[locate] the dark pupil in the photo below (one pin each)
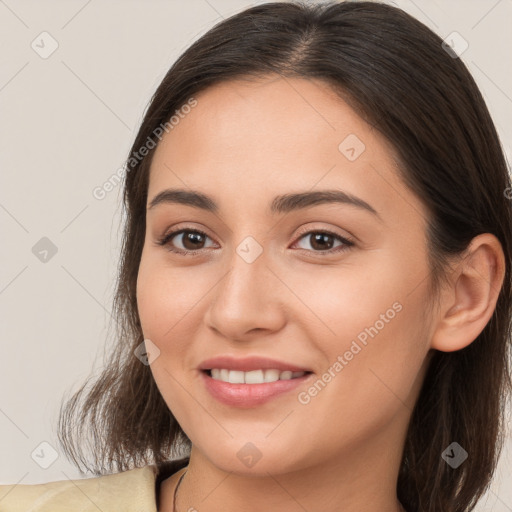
(194, 238)
(319, 238)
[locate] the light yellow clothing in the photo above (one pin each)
(128, 491)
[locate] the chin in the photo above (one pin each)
(251, 457)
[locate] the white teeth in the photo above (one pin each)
(271, 375)
(254, 376)
(236, 377)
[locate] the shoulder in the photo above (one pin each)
(134, 490)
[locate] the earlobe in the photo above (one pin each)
(469, 303)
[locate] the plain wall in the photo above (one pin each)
(67, 123)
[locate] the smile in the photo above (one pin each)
(250, 388)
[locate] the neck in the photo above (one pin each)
(364, 479)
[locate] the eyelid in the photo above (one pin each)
(186, 227)
(315, 229)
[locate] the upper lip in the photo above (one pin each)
(249, 363)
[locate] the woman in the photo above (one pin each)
(314, 298)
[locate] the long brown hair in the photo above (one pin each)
(397, 75)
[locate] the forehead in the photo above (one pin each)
(275, 116)
(245, 139)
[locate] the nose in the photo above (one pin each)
(248, 301)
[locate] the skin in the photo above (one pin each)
(244, 143)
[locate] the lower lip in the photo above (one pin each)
(249, 395)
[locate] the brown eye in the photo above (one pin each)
(324, 242)
(192, 240)
(321, 241)
(185, 241)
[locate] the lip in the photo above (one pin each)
(247, 364)
(249, 395)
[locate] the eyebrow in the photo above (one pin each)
(280, 204)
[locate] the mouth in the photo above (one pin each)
(250, 381)
(248, 389)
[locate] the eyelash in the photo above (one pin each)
(164, 241)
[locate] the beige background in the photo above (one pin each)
(67, 123)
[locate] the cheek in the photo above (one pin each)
(165, 301)
(338, 303)
(373, 321)
(167, 297)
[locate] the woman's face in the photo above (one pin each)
(276, 158)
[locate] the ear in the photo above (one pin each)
(468, 303)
